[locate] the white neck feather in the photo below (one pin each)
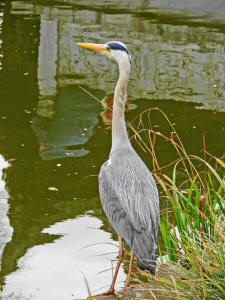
(119, 132)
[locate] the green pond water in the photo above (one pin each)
(54, 137)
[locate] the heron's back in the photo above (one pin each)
(129, 198)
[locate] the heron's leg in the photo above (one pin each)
(130, 271)
(121, 256)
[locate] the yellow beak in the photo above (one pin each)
(96, 47)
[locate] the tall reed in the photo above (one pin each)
(192, 227)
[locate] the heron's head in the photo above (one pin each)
(114, 50)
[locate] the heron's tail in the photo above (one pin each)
(144, 248)
(149, 265)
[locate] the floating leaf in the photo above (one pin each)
(52, 188)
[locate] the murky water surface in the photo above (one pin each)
(54, 137)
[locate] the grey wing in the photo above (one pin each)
(130, 200)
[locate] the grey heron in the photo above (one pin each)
(128, 191)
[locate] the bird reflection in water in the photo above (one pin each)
(64, 123)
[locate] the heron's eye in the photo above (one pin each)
(108, 48)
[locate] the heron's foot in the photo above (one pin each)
(127, 287)
(109, 292)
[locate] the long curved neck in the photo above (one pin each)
(119, 132)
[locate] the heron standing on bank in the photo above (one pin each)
(127, 188)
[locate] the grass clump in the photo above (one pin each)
(192, 226)
(193, 238)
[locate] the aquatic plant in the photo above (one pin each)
(192, 226)
(193, 238)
